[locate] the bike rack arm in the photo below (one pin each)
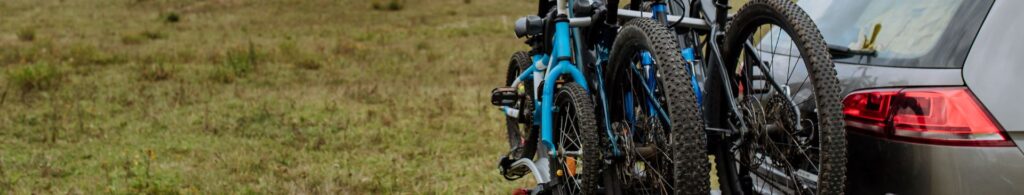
(580, 21)
(686, 22)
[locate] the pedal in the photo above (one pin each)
(504, 96)
(508, 171)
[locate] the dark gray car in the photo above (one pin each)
(932, 92)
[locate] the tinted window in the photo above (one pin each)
(912, 33)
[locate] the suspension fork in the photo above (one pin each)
(660, 11)
(648, 82)
(647, 61)
(563, 66)
(649, 86)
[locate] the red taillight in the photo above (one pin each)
(946, 116)
(868, 110)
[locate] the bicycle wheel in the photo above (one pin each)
(522, 139)
(577, 167)
(664, 154)
(789, 98)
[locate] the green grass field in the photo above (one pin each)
(245, 96)
(236, 96)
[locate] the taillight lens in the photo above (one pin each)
(868, 110)
(945, 116)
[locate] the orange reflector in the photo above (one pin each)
(570, 163)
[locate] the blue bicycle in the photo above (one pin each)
(547, 83)
(614, 100)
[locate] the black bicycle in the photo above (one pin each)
(768, 91)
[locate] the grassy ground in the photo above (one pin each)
(234, 96)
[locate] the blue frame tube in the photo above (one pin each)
(660, 12)
(542, 58)
(649, 71)
(563, 67)
(562, 53)
(602, 54)
(526, 74)
(562, 50)
(653, 102)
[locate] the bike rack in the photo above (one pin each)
(683, 22)
(540, 168)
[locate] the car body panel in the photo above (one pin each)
(878, 166)
(857, 77)
(995, 62)
(881, 166)
(1018, 138)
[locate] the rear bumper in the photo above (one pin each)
(878, 166)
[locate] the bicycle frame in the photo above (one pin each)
(547, 68)
(545, 71)
(560, 64)
(713, 24)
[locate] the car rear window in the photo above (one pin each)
(912, 33)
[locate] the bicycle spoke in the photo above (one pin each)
(793, 69)
(569, 145)
(760, 175)
(770, 149)
(645, 173)
(797, 91)
(774, 47)
(788, 166)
